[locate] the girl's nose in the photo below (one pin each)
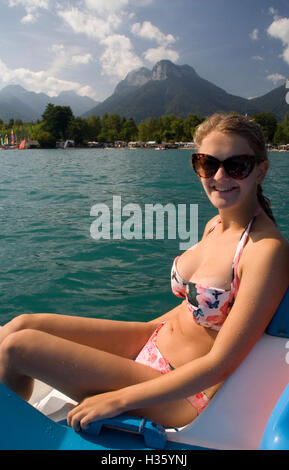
(221, 173)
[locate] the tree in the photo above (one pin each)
(94, 127)
(281, 135)
(78, 130)
(110, 127)
(44, 137)
(177, 127)
(190, 124)
(128, 131)
(144, 131)
(56, 120)
(149, 129)
(168, 135)
(268, 124)
(171, 127)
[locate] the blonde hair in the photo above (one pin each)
(246, 128)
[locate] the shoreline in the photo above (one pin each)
(118, 148)
(34, 145)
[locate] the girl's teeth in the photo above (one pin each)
(223, 189)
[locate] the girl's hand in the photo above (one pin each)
(104, 405)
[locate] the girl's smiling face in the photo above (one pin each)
(222, 190)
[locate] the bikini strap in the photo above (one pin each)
(214, 225)
(241, 245)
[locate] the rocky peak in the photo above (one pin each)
(165, 69)
(139, 77)
(136, 78)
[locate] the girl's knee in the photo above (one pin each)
(23, 322)
(15, 345)
(13, 362)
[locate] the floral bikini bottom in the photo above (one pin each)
(151, 356)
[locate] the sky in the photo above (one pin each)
(88, 46)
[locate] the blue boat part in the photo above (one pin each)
(279, 325)
(276, 435)
(154, 434)
(23, 427)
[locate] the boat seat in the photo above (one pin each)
(237, 415)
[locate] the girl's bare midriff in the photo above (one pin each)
(182, 340)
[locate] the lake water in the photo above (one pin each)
(49, 260)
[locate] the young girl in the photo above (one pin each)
(231, 283)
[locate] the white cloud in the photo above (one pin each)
(115, 5)
(147, 30)
(275, 77)
(81, 59)
(155, 54)
(119, 57)
(29, 4)
(86, 23)
(106, 5)
(279, 29)
(67, 57)
(31, 7)
(274, 12)
(41, 81)
(98, 20)
(29, 18)
(254, 34)
(257, 57)
(57, 48)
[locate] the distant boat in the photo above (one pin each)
(69, 143)
(22, 144)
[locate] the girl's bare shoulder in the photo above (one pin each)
(210, 224)
(266, 240)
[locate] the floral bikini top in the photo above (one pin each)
(210, 306)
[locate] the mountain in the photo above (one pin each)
(79, 104)
(15, 103)
(274, 101)
(179, 90)
(18, 103)
(166, 89)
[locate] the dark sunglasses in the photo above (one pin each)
(237, 167)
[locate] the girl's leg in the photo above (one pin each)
(118, 337)
(78, 371)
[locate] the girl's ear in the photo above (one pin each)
(262, 169)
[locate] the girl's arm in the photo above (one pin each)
(264, 280)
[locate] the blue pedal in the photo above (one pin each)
(153, 433)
